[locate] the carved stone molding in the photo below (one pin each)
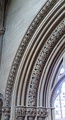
(6, 112)
(31, 111)
(41, 60)
(20, 112)
(37, 20)
(42, 112)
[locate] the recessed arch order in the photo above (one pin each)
(43, 43)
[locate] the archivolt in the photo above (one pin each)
(38, 43)
(49, 73)
(62, 79)
(40, 64)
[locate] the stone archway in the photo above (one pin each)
(42, 43)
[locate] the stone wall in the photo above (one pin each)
(20, 14)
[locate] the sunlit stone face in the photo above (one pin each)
(62, 70)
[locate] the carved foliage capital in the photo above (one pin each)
(20, 112)
(6, 111)
(42, 112)
(31, 111)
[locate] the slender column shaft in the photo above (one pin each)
(52, 114)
